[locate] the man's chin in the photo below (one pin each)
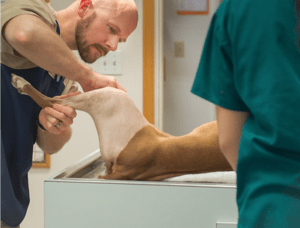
(87, 59)
(90, 61)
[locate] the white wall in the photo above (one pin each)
(184, 111)
(84, 139)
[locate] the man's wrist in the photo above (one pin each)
(83, 76)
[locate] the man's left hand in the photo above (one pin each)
(59, 118)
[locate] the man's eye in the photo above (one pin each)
(112, 30)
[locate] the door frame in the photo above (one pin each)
(153, 62)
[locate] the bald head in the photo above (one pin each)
(125, 9)
(117, 4)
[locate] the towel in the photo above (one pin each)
(213, 177)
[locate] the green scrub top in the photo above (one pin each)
(250, 62)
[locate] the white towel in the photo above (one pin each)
(213, 177)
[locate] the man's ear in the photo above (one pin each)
(84, 5)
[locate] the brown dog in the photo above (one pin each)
(130, 146)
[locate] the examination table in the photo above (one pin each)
(75, 198)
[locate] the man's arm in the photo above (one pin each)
(230, 125)
(52, 143)
(34, 39)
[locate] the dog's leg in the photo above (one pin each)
(19, 83)
(24, 87)
(103, 106)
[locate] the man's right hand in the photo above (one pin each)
(97, 81)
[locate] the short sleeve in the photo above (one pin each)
(214, 79)
(13, 8)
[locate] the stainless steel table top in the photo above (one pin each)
(90, 167)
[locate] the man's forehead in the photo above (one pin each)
(124, 19)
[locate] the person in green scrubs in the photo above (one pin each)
(250, 68)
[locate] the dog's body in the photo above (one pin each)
(130, 146)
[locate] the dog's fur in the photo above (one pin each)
(130, 146)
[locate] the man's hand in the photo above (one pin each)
(112, 82)
(49, 117)
(97, 81)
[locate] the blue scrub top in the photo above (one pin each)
(19, 115)
(251, 62)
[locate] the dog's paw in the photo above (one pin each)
(18, 82)
(103, 177)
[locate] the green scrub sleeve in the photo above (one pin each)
(214, 79)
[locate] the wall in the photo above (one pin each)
(84, 139)
(184, 111)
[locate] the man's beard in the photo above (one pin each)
(82, 47)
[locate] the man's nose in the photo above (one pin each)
(112, 43)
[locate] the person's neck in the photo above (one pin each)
(67, 20)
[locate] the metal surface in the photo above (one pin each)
(90, 167)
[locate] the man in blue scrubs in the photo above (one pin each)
(32, 48)
(250, 68)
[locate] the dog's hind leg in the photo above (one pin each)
(24, 87)
(19, 83)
